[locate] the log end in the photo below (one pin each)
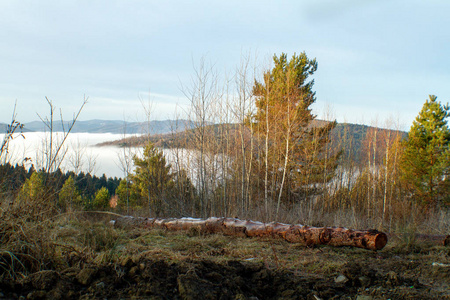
(380, 241)
(447, 241)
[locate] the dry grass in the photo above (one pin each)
(33, 237)
(412, 219)
(25, 244)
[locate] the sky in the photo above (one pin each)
(377, 60)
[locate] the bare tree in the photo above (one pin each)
(202, 93)
(54, 150)
(11, 129)
(242, 110)
(125, 163)
(80, 159)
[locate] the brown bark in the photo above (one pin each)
(332, 236)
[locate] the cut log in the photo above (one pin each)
(332, 236)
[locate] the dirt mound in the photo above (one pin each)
(203, 279)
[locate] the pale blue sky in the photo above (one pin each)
(377, 59)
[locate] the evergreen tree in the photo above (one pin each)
(112, 184)
(101, 200)
(69, 194)
(127, 196)
(426, 160)
(152, 179)
(33, 188)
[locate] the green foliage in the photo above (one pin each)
(101, 200)
(89, 184)
(426, 159)
(33, 188)
(286, 83)
(125, 192)
(12, 178)
(152, 180)
(69, 194)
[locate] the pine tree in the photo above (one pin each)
(128, 198)
(101, 200)
(426, 160)
(152, 179)
(294, 150)
(69, 194)
(33, 189)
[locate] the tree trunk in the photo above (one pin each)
(266, 161)
(332, 236)
(386, 172)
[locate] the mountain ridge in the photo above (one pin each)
(108, 126)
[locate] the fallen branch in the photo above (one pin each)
(332, 236)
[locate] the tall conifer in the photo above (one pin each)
(426, 160)
(152, 179)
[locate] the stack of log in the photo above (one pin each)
(332, 236)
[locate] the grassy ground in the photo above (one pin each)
(79, 257)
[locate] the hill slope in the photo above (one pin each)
(352, 134)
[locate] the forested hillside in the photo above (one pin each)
(352, 134)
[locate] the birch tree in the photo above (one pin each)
(284, 116)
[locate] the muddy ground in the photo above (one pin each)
(161, 265)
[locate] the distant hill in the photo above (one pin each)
(178, 139)
(354, 135)
(4, 128)
(172, 139)
(343, 133)
(110, 126)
